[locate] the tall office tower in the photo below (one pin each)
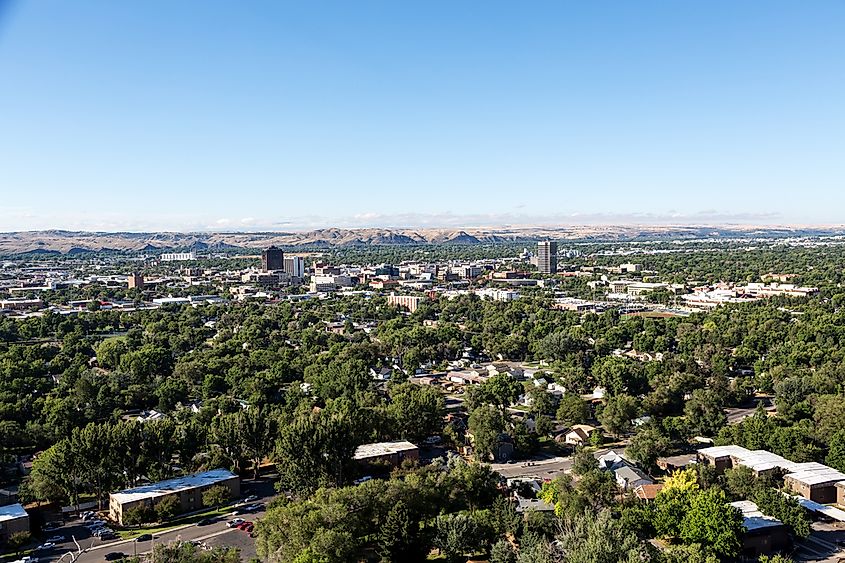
(272, 259)
(295, 266)
(547, 257)
(135, 281)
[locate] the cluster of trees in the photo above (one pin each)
(311, 399)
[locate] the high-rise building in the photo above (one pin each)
(547, 257)
(272, 259)
(135, 281)
(294, 266)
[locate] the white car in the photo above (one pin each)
(235, 522)
(57, 539)
(363, 479)
(44, 546)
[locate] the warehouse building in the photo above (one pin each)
(187, 490)
(13, 519)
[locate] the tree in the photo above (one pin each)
(141, 514)
(455, 535)
(836, 451)
(398, 538)
(416, 411)
(583, 462)
(740, 482)
(647, 445)
(167, 508)
(704, 412)
(502, 552)
(618, 413)
(315, 450)
(786, 509)
(572, 410)
(216, 495)
(684, 480)
(829, 416)
(598, 538)
(257, 429)
(17, 540)
(711, 521)
(486, 424)
(186, 552)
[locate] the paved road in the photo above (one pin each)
(215, 534)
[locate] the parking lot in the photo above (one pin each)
(214, 533)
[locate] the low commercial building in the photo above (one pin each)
(815, 482)
(763, 534)
(186, 490)
(720, 457)
(13, 519)
(392, 452)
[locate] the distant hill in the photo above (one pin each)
(78, 242)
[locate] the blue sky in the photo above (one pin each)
(245, 115)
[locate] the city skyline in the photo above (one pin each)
(281, 116)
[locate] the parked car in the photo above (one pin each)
(235, 522)
(45, 546)
(250, 498)
(105, 536)
(56, 539)
(248, 529)
(100, 531)
(205, 522)
(243, 525)
(363, 479)
(51, 526)
(114, 555)
(144, 537)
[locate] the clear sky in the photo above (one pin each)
(145, 115)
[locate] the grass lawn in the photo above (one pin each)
(192, 519)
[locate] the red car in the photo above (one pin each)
(248, 529)
(244, 525)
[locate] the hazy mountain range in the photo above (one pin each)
(69, 242)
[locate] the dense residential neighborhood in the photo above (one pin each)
(166, 395)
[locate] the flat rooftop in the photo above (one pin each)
(12, 512)
(378, 449)
(752, 518)
(172, 486)
(717, 452)
(817, 476)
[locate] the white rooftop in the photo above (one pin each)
(812, 506)
(378, 449)
(752, 518)
(172, 486)
(725, 451)
(12, 512)
(817, 475)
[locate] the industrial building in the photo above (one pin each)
(187, 490)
